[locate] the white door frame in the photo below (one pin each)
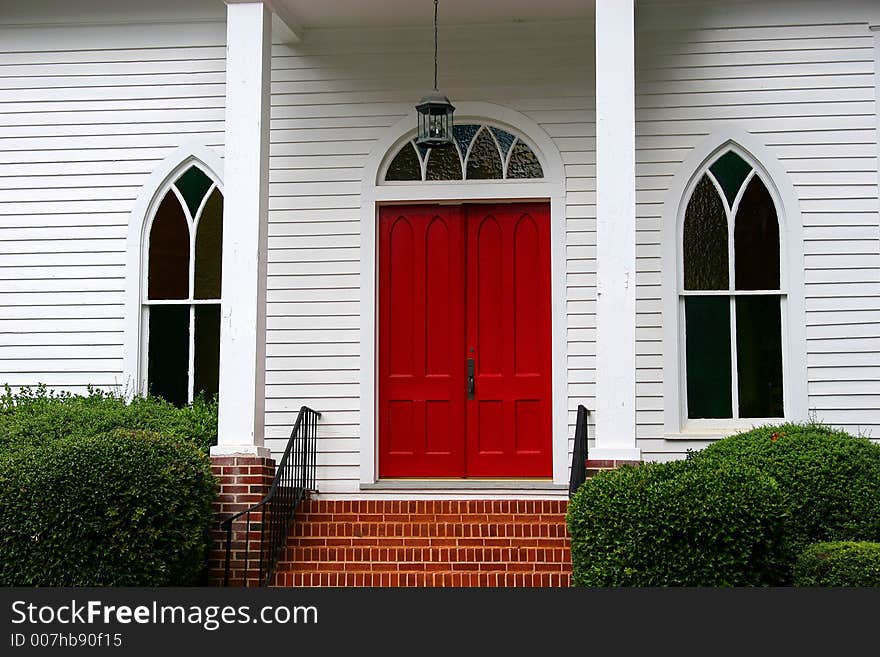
(551, 189)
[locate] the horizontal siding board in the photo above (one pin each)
(807, 92)
(82, 127)
(86, 113)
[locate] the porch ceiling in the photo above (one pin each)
(415, 13)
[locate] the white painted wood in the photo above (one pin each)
(245, 232)
(794, 137)
(94, 109)
(74, 202)
(616, 235)
(875, 31)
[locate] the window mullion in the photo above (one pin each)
(731, 277)
(143, 383)
(734, 369)
(192, 352)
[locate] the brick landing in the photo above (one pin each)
(428, 543)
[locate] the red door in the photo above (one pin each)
(464, 290)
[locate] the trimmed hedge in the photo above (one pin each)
(126, 508)
(830, 480)
(839, 564)
(36, 416)
(677, 524)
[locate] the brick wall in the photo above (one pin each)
(244, 481)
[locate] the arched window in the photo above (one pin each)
(479, 152)
(181, 304)
(732, 295)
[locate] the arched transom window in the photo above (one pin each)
(479, 152)
(182, 293)
(732, 295)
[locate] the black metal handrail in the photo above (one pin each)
(579, 453)
(294, 480)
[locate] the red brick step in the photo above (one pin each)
(428, 543)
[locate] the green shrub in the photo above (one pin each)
(839, 564)
(35, 416)
(677, 524)
(118, 509)
(830, 480)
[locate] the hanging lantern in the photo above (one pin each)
(434, 111)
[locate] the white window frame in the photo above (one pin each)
(791, 290)
(152, 193)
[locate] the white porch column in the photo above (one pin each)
(616, 232)
(245, 230)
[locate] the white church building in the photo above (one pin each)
(663, 210)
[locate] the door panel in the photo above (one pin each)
(508, 335)
(421, 341)
(459, 283)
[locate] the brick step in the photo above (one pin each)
(411, 567)
(422, 507)
(428, 543)
(546, 529)
(425, 579)
(413, 542)
(299, 557)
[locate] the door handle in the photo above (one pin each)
(471, 383)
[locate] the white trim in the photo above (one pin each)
(151, 194)
(875, 31)
(791, 252)
(615, 413)
(551, 187)
(242, 409)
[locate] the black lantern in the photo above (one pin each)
(435, 111)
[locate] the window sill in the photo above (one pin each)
(705, 431)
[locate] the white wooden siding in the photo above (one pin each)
(333, 96)
(85, 115)
(87, 112)
(808, 92)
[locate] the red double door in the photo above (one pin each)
(464, 341)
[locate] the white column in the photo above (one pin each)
(245, 230)
(616, 232)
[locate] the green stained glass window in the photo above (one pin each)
(193, 185)
(206, 361)
(464, 135)
(484, 161)
(443, 164)
(756, 240)
(707, 331)
(405, 165)
(482, 149)
(730, 170)
(209, 249)
(749, 382)
(505, 140)
(168, 353)
(168, 268)
(705, 240)
(523, 163)
(759, 356)
(181, 332)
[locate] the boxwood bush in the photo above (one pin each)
(125, 508)
(830, 480)
(677, 524)
(36, 416)
(845, 563)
